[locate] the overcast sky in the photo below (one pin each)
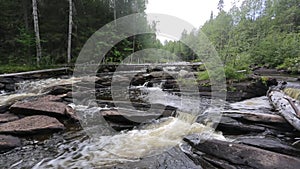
(195, 12)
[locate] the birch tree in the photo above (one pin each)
(70, 31)
(37, 32)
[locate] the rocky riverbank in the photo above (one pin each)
(256, 136)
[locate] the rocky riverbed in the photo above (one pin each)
(41, 127)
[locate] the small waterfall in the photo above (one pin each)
(130, 146)
(292, 92)
(27, 89)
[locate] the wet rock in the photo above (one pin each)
(171, 159)
(8, 142)
(154, 69)
(55, 109)
(4, 108)
(170, 84)
(271, 144)
(123, 117)
(138, 80)
(10, 87)
(7, 117)
(57, 90)
(32, 125)
(50, 98)
(244, 156)
(119, 80)
(231, 126)
(2, 86)
(160, 75)
(7, 80)
(71, 113)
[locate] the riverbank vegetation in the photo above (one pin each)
(255, 33)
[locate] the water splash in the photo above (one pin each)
(27, 89)
(294, 93)
(130, 146)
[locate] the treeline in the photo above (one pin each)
(17, 33)
(257, 32)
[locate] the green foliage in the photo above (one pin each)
(264, 80)
(17, 38)
(203, 75)
(291, 64)
(259, 32)
(230, 74)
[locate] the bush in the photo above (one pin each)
(291, 64)
(230, 74)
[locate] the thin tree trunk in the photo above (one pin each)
(37, 32)
(115, 13)
(25, 12)
(70, 31)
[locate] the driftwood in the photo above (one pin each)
(255, 117)
(286, 106)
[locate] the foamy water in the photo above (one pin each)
(131, 146)
(33, 88)
(104, 150)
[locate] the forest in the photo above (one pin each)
(255, 33)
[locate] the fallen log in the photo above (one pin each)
(286, 106)
(255, 117)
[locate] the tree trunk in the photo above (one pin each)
(70, 31)
(37, 32)
(25, 12)
(115, 13)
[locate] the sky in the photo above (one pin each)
(196, 12)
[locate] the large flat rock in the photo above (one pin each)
(49, 108)
(245, 156)
(32, 125)
(7, 117)
(8, 142)
(269, 143)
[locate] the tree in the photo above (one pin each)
(70, 31)
(211, 16)
(37, 32)
(220, 5)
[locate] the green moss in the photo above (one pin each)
(264, 80)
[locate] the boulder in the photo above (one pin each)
(57, 90)
(245, 156)
(54, 109)
(32, 125)
(7, 117)
(8, 142)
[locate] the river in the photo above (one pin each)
(74, 148)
